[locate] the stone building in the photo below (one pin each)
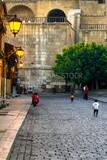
(48, 26)
(2, 32)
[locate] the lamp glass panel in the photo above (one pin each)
(20, 52)
(14, 26)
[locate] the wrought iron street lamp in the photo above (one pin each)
(15, 25)
(20, 52)
(20, 65)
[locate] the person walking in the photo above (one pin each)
(72, 93)
(95, 108)
(72, 97)
(85, 90)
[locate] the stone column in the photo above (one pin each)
(74, 18)
(106, 7)
(77, 26)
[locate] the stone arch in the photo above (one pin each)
(56, 15)
(22, 12)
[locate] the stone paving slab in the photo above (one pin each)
(57, 129)
(11, 119)
(11, 122)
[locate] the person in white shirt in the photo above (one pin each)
(96, 107)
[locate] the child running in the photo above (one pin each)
(95, 108)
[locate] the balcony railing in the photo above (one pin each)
(93, 26)
(89, 0)
(31, 19)
(99, 1)
(56, 19)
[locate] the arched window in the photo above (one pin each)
(56, 15)
(22, 12)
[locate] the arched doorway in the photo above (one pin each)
(22, 12)
(56, 15)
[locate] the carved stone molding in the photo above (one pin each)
(20, 1)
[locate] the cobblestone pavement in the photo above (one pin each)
(57, 129)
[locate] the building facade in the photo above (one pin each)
(48, 27)
(2, 46)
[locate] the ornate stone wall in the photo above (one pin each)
(92, 8)
(41, 40)
(41, 8)
(41, 43)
